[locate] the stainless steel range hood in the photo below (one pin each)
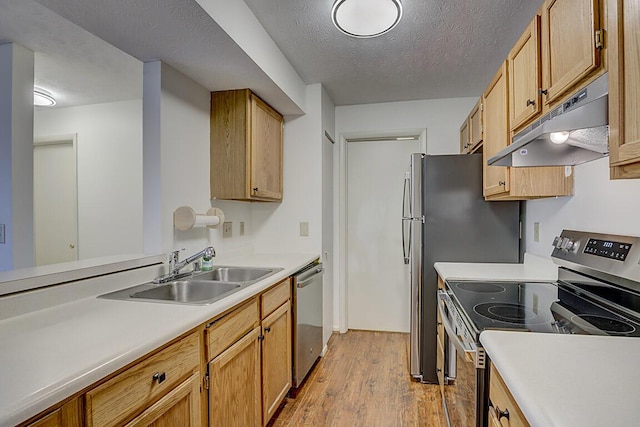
(579, 126)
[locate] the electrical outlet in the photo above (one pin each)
(304, 229)
(2, 238)
(536, 231)
(242, 228)
(227, 229)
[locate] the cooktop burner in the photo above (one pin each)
(480, 287)
(507, 312)
(606, 324)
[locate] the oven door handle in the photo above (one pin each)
(467, 348)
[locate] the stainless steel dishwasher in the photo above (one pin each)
(307, 320)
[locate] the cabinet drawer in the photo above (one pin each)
(275, 297)
(501, 400)
(223, 332)
(112, 402)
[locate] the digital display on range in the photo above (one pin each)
(607, 249)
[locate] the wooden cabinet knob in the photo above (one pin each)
(255, 189)
(267, 329)
(159, 377)
(530, 102)
(502, 414)
(502, 183)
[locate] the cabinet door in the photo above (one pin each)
(266, 151)
(464, 137)
(234, 384)
(624, 88)
(475, 126)
(68, 415)
(524, 76)
(569, 44)
(179, 407)
(276, 359)
(496, 132)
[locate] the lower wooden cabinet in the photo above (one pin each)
(68, 415)
(276, 359)
(234, 384)
(503, 409)
(179, 407)
(149, 382)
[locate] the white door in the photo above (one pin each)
(55, 205)
(378, 285)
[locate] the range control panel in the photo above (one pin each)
(615, 255)
(607, 249)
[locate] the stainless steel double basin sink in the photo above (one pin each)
(199, 288)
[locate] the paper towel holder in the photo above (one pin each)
(185, 218)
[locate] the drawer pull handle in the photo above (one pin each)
(159, 377)
(502, 414)
(530, 102)
(267, 329)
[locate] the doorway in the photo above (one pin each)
(55, 199)
(378, 287)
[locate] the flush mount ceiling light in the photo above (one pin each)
(366, 18)
(42, 98)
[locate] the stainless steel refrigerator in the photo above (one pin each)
(445, 218)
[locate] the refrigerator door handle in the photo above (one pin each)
(406, 240)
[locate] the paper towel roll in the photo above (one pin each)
(185, 218)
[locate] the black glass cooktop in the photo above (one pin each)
(538, 307)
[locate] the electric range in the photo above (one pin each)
(597, 293)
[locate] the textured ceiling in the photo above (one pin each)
(75, 66)
(440, 48)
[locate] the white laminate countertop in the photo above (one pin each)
(51, 354)
(569, 380)
(533, 269)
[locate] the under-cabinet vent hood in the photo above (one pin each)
(575, 132)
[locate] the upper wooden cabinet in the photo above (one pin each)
(623, 23)
(471, 130)
(507, 183)
(525, 76)
(475, 126)
(496, 132)
(246, 147)
(570, 45)
(464, 136)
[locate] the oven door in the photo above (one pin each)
(465, 398)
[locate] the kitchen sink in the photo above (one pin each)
(237, 274)
(199, 288)
(189, 291)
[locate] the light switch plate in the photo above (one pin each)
(2, 239)
(304, 229)
(227, 229)
(536, 231)
(242, 228)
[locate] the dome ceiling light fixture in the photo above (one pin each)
(42, 98)
(366, 18)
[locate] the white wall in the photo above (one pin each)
(109, 150)
(277, 225)
(328, 253)
(176, 140)
(598, 205)
(441, 118)
(16, 156)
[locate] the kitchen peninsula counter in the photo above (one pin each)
(53, 353)
(562, 380)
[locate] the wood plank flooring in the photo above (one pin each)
(363, 380)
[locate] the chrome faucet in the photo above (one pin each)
(175, 265)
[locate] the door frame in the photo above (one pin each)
(340, 300)
(60, 139)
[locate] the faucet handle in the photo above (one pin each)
(174, 256)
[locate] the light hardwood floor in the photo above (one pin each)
(363, 380)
